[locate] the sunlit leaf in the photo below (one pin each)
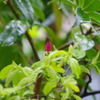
(78, 53)
(5, 71)
(75, 67)
(48, 87)
(84, 42)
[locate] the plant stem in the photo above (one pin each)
(26, 33)
(66, 45)
(39, 80)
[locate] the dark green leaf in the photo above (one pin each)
(26, 9)
(81, 17)
(38, 12)
(69, 2)
(91, 5)
(13, 31)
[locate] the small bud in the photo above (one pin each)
(48, 47)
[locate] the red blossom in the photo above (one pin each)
(48, 47)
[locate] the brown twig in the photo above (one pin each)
(29, 61)
(39, 81)
(87, 84)
(81, 29)
(26, 33)
(66, 45)
(90, 93)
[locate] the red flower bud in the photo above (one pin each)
(48, 47)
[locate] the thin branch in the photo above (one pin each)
(87, 84)
(32, 45)
(13, 9)
(27, 85)
(26, 33)
(90, 93)
(81, 29)
(66, 71)
(83, 60)
(29, 61)
(66, 45)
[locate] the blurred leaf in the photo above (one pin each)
(95, 17)
(81, 17)
(91, 5)
(49, 31)
(84, 69)
(13, 31)
(76, 97)
(95, 21)
(84, 42)
(58, 20)
(1, 87)
(76, 69)
(78, 53)
(15, 98)
(51, 73)
(48, 87)
(38, 12)
(69, 2)
(74, 87)
(81, 3)
(10, 77)
(17, 78)
(26, 9)
(5, 71)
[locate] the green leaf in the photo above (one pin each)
(81, 3)
(57, 53)
(84, 69)
(74, 87)
(48, 87)
(13, 31)
(15, 98)
(27, 71)
(24, 81)
(75, 67)
(49, 31)
(1, 87)
(81, 17)
(65, 96)
(78, 53)
(84, 42)
(76, 97)
(51, 73)
(95, 17)
(26, 9)
(20, 75)
(91, 5)
(38, 12)
(10, 77)
(69, 2)
(5, 71)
